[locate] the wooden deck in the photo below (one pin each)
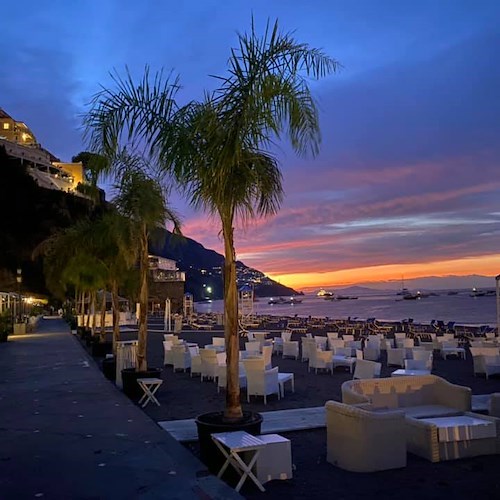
(274, 421)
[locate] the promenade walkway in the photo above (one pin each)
(66, 432)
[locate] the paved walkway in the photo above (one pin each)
(66, 432)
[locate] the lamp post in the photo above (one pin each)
(19, 279)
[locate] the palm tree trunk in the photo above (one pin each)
(116, 314)
(233, 406)
(92, 308)
(143, 301)
(103, 315)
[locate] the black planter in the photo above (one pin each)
(100, 349)
(211, 423)
(109, 368)
(129, 378)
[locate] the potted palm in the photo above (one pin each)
(142, 201)
(218, 152)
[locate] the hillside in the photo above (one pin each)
(203, 268)
(30, 214)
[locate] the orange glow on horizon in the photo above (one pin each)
(487, 265)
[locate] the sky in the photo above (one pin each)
(407, 181)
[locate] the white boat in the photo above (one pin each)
(324, 293)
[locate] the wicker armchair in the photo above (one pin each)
(363, 441)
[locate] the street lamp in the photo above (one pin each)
(19, 279)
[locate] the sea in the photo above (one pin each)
(460, 308)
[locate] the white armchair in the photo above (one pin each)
(181, 359)
(253, 347)
(291, 349)
(367, 369)
(417, 364)
(219, 341)
(426, 356)
(167, 352)
(262, 383)
(319, 359)
(396, 357)
(209, 364)
(307, 345)
(194, 353)
(267, 352)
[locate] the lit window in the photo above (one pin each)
(6, 126)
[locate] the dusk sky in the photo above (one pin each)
(407, 181)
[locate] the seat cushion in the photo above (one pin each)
(424, 411)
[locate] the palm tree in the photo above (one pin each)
(218, 149)
(141, 199)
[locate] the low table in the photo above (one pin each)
(405, 373)
(149, 386)
(447, 438)
(231, 445)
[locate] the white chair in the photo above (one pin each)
(167, 352)
(319, 359)
(170, 336)
(253, 347)
(491, 365)
(417, 364)
(332, 335)
(254, 364)
(194, 353)
(334, 343)
(307, 345)
(426, 356)
(267, 352)
(291, 349)
(219, 341)
(359, 354)
(320, 342)
(372, 351)
(478, 356)
(262, 383)
(222, 377)
(367, 369)
(396, 357)
(348, 338)
(209, 364)
(181, 359)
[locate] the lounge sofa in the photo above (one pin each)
(359, 440)
(418, 397)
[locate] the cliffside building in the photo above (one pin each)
(47, 170)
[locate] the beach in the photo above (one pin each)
(182, 397)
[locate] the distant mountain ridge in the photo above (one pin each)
(450, 282)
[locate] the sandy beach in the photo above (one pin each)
(182, 397)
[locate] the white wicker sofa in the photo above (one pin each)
(418, 397)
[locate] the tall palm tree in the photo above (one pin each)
(115, 250)
(218, 150)
(141, 199)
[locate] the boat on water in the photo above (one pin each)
(482, 293)
(345, 297)
(415, 296)
(324, 293)
(281, 300)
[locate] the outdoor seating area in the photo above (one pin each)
(281, 369)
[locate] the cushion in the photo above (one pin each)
(423, 411)
(462, 428)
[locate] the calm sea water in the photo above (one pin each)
(460, 308)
